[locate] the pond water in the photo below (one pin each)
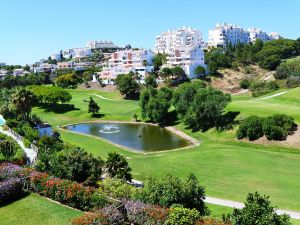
(2, 120)
(140, 137)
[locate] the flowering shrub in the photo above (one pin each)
(90, 219)
(67, 192)
(10, 189)
(113, 214)
(210, 221)
(8, 170)
(141, 213)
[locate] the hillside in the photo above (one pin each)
(229, 79)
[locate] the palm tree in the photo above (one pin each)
(23, 101)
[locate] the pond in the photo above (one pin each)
(2, 120)
(139, 137)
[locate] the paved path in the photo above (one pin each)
(30, 153)
(240, 92)
(239, 205)
(100, 96)
(272, 96)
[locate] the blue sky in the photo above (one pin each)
(33, 29)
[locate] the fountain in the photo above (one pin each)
(110, 129)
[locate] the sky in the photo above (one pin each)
(34, 29)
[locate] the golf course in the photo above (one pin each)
(226, 167)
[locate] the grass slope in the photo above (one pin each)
(36, 210)
(227, 168)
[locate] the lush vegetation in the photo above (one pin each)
(127, 85)
(268, 55)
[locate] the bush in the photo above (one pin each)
(182, 216)
(115, 188)
(10, 189)
(293, 82)
(68, 80)
(8, 170)
(67, 192)
(245, 83)
(171, 190)
(278, 127)
(251, 127)
(90, 219)
(258, 210)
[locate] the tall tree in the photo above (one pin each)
(93, 107)
(200, 71)
(23, 101)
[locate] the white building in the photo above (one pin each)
(43, 67)
(125, 61)
(96, 44)
(78, 53)
(274, 36)
(2, 74)
(183, 48)
(65, 65)
(181, 39)
(223, 34)
(56, 56)
(19, 72)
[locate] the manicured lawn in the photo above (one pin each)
(227, 168)
(288, 103)
(36, 210)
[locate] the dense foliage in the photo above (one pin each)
(170, 190)
(116, 166)
(276, 127)
(127, 85)
(258, 210)
(199, 107)
(268, 55)
(259, 88)
(289, 70)
(70, 80)
(51, 94)
(155, 104)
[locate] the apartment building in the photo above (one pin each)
(223, 34)
(181, 39)
(78, 53)
(96, 44)
(64, 65)
(183, 48)
(125, 61)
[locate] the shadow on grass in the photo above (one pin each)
(59, 108)
(225, 122)
(97, 115)
(15, 198)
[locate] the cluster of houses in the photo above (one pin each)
(183, 47)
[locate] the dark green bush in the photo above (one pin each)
(245, 83)
(251, 128)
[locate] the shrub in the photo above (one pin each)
(171, 190)
(182, 216)
(90, 219)
(8, 170)
(141, 213)
(117, 167)
(251, 127)
(245, 83)
(113, 214)
(115, 188)
(67, 192)
(293, 82)
(8, 149)
(10, 189)
(258, 210)
(278, 127)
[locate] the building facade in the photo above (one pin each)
(78, 53)
(183, 48)
(223, 34)
(100, 44)
(125, 61)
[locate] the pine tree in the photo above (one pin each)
(93, 107)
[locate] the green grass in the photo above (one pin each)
(36, 210)
(226, 167)
(288, 103)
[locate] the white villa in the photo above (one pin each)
(78, 53)
(183, 47)
(125, 61)
(96, 44)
